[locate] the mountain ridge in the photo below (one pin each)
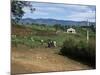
(53, 21)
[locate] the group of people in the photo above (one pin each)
(51, 43)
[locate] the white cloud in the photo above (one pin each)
(82, 16)
(62, 11)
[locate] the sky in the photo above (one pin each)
(61, 12)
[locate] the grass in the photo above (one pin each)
(42, 33)
(72, 45)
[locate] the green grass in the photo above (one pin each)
(45, 33)
(72, 45)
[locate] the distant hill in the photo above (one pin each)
(53, 21)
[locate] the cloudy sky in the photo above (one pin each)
(61, 12)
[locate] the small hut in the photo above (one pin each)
(71, 30)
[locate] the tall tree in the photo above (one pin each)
(17, 9)
(57, 26)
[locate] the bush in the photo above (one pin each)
(80, 50)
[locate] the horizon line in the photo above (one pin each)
(60, 19)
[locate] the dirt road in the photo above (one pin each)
(41, 60)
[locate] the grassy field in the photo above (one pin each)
(26, 44)
(24, 34)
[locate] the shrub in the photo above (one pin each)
(80, 50)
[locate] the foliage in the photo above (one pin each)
(57, 26)
(80, 50)
(17, 9)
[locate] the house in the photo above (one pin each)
(71, 30)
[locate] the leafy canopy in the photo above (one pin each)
(17, 9)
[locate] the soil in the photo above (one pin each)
(25, 60)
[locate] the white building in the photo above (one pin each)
(71, 30)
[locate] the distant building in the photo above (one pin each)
(71, 30)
